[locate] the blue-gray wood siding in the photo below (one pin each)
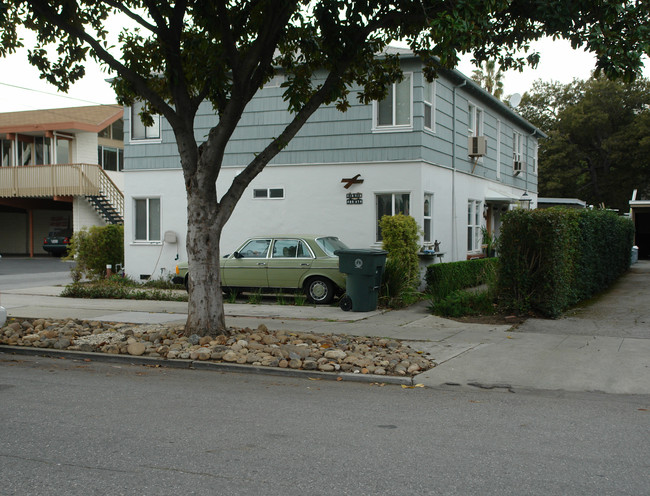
(330, 136)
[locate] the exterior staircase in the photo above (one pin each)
(87, 180)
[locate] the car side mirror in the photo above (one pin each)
(238, 255)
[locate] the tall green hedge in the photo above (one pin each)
(551, 259)
(445, 278)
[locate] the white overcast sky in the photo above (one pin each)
(22, 89)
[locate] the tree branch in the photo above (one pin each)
(132, 15)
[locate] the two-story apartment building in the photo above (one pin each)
(60, 171)
(445, 152)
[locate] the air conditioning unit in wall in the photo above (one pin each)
(477, 146)
(517, 167)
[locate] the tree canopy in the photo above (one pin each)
(184, 52)
(598, 147)
(490, 77)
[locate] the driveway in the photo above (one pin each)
(25, 272)
(622, 311)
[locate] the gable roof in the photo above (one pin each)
(92, 118)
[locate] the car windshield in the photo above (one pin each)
(330, 244)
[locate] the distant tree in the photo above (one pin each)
(187, 52)
(490, 77)
(598, 148)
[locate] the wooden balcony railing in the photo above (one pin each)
(59, 180)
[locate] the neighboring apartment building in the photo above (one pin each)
(60, 171)
(447, 153)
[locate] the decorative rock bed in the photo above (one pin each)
(260, 347)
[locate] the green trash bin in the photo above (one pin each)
(364, 269)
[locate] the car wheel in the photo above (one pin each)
(319, 290)
(187, 283)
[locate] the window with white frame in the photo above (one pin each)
(430, 105)
(517, 147)
(475, 126)
(272, 193)
(391, 204)
(138, 130)
(534, 158)
(110, 158)
(427, 217)
(498, 148)
(473, 225)
(147, 219)
(395, 110)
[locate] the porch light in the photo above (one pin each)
(524, 201)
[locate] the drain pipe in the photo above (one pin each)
(454, 229)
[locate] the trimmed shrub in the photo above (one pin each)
(94, 249)
(551, 259)
(444, 278)
(460, 303)
(401, 237)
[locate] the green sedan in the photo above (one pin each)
(307, 263)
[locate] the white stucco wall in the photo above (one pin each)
(84, 215)
(314, 203)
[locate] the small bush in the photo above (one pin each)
(396, 290)
(461, 303)
(118, 290)
(94, 249)
(445, 278)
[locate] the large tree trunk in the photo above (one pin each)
(204, 225)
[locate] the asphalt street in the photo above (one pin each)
(80, 428)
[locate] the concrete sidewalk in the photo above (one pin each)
(605, 346)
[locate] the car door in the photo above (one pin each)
(248, 266)
(289, 260)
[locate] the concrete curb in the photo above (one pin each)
(201, 365)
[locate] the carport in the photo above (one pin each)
(640, 211)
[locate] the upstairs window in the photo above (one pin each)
(138, 130)
(110, 158)
(475, 127)
(517, 147)
(41, 150)
(429, 105)
(115, 131)
(7, 156)
(395, 110)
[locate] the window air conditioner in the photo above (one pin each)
(477, 146)
(517, 166)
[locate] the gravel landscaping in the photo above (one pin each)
(259, 347)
